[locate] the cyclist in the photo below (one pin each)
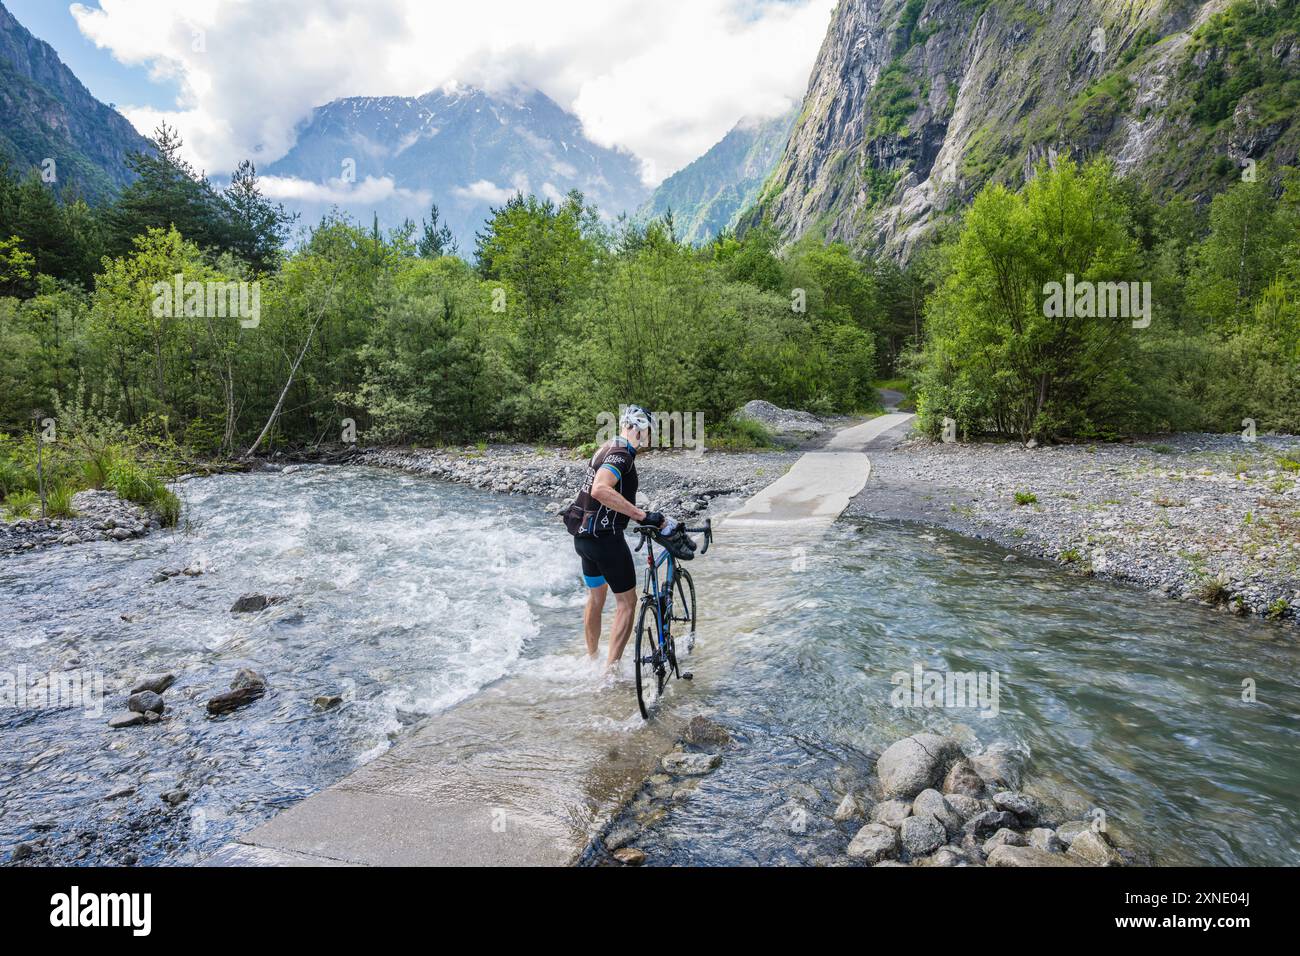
(597, 519)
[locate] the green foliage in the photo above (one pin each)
(1026, 498)
(739, 434)
(22, 504)
(1237, 46)
(58, 501)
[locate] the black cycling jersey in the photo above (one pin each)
(619, 457)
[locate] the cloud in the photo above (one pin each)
(340, 192)
(484, 191)
(664, 80)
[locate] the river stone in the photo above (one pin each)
(175, 797)
(621, 835)
(1025, 807)
(690, 765)
(962, 779)
(965, 806)
(252, 603)
(154, 682)
(892, 813)
(1027, 856)
(922, 835)
(990, 821)
(704, 732)
(933, 803)
(998, 770)
(234, 699)
(874, 842)
(1004, 837)
(945, 856)
(849, 809)
(247, 677)
(1091, 848)
(327, 701)
(915, 763)
(629, 856)
(126, 720)
(144, 702)
(1046, 839)
(1066, 832)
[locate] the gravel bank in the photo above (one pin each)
(1200, 517)
(101, 516)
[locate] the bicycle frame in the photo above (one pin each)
(651, 588)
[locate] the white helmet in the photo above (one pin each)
(634, 416)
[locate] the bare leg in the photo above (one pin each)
(622, 627)
(591, 618)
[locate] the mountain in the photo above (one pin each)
(45, 113)
(462, 148)
(710, 194)
(913, 105)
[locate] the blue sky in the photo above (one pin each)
(108, 80)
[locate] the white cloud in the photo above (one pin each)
(665, 79)
(484, 191)
(338, 191)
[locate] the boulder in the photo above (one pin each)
(145, 701)
(962, 779)
(1026, 808)
(1004, 837)
(126, 720)
(175, 797)
(922, 835)
(874, 842)
(965, 806)
(892, 813)
(1027, 856)
(153, 682)
(1046, 839)
(849, 809)
(234, 699)
(252, 603)
(1067, 831)
(247, 677)
(945, 856)
(916, 763)
(1090, 847)
(689, 765)
(999, 769)
(327, 701)
(989, 822)
(629, 856)
(932, 803)
(703, 732)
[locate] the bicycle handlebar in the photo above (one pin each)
(706, 529)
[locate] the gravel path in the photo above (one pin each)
(1201, 517)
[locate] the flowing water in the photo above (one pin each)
(408, 597)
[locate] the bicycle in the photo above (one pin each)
(656, 652)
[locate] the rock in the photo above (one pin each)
(1044, 838)
(1066, 832)
(998, 769)
(989, 822)
(932, 803)
(874, 842)
(703, 732)
(126, 720)
(945, 856)
(247, 677)
(327, 701)
(234, 699)
(849, 809)
(915, 763)
(689, 765)
(21, 852)
(1090, 847)
(962, 779)
(120, 793)
(174, 797)
(1004, 837)
(1025, 807)
(891, 813)
(620, 836)
(629, 856)
(250, 603)
(1027, 856)
(157, 683)
(145, 701)
(965, 806)
(922, 835)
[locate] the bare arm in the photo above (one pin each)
(603, 490)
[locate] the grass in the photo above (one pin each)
(739, 434)
(21, 504)
(1277, 610)
(1026, 498)
(1214, 590)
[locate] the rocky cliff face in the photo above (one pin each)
(46, 113)
(913, 105)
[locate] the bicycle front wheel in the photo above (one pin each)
(651, 667)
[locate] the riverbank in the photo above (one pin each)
(99, 516)
(1204, 518)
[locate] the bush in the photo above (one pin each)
(739, 434)
(58, 501)
(21, 504)
(1026, 498)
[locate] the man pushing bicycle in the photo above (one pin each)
(597, 519)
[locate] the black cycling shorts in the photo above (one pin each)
(606, 559)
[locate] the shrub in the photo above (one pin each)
(21, 504)
(58, 501)
(739, 433)
(1026, 498)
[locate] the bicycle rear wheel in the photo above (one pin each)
(651, 665)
